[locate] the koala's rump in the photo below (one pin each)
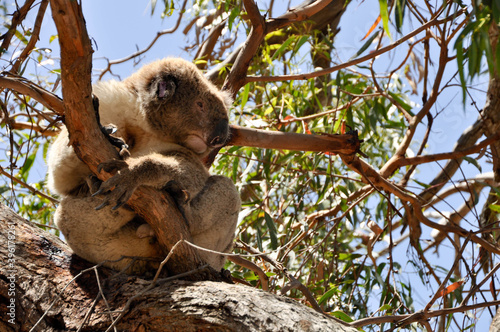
(104, 235)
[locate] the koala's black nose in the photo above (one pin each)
(220, 134)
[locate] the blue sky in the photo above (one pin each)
(119, 28)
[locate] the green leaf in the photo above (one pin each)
(494, 208)
(273, 232)
(328, 295)
(401, 102)
(473, 162)
(342, 316)
(385, 307)
(366, 45)
(283, 47)
(153, 6)
(244, 95)
(299, 44)
(259, 240)
(384, 14)
(348, 257)
(400, 13)
(232, 16)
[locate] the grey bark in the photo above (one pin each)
(37, 269)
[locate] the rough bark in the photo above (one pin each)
(495, 323)
(38, 268)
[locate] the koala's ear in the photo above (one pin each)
(227, 98)
(165, 88)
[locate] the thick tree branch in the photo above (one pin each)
(342, 144)
(302, 12)
(236, 78)
(59, 292)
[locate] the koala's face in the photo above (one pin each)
(179, 103)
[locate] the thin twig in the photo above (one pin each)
(151, 44)
(27, 186)
(370, 56)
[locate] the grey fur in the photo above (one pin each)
(171, 117)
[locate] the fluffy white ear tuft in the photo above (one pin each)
(228, 99)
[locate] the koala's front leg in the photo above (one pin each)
(154, 170)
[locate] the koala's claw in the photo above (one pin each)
(93, 183)
(112, 165)
(117, 190)
(104, 204)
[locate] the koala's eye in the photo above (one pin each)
(200, 104)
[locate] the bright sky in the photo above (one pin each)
(119, 28)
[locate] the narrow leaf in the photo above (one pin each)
(473, 162)
(400, 13)
(384, 13)
(451, 288)
(342, 316)
(365, 45)
(327, 295)
(283, 47)
(374, 25)
(273, 232)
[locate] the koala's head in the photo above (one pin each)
(180, 104)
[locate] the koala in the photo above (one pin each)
(171, 117)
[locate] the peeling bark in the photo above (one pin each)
(42, 267)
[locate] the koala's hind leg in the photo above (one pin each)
(105, 235)
(212, 216)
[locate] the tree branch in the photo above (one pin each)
(27, 88)
(33, 39)
(18, 17)
(302, 12)
(370, 56)
(375, 179)
(342, 144)
(151, 44)
(236, 78)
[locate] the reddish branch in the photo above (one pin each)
(17, 18)
(27, 88)
(260, 28)
(374, 178)
(342, 144)
(33, 39)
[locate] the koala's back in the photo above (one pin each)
(118, 105)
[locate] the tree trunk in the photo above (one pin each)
(36, 283)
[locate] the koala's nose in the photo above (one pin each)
(220, 134)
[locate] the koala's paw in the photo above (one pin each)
(118, 189)
(111, 166)
(144, 231)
